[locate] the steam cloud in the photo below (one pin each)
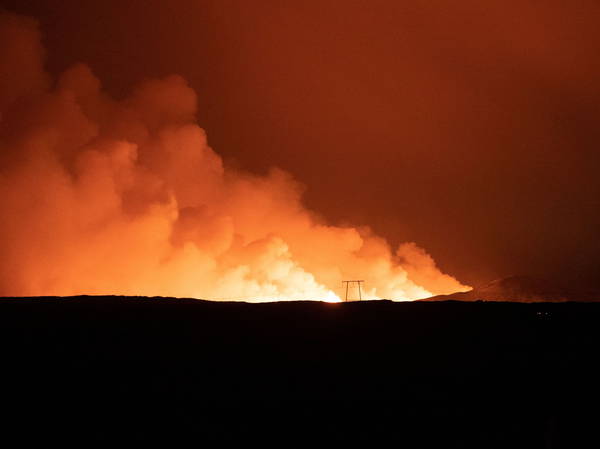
(100, 196)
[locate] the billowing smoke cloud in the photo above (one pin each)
(100, 196)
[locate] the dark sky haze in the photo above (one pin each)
(471, 128)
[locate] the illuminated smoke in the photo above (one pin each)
(100, 196)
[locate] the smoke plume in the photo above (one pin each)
(105, 196)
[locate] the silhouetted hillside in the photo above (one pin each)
(115, 370)
(523, 289)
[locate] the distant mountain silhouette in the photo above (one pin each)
(523, 289)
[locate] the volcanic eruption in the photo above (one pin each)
(125, 196)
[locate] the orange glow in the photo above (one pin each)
(101, 196)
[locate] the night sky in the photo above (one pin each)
(468, 127)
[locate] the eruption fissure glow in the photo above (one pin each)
(101, 196)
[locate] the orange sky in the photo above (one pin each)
(469, 128)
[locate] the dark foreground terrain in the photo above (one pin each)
(192, 373)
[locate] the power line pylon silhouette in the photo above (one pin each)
(358, 283)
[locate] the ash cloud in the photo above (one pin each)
(105, 196)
